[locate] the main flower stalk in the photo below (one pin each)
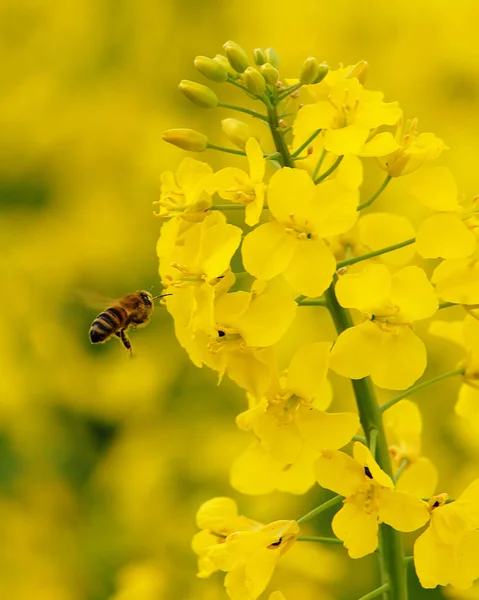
(391, 554)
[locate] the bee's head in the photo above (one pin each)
(146, 297)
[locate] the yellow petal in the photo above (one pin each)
(434, 187)
(380, 230)
(313, 116)
(402, 511)
(363, 456)
(350, 172)
(218, 248)
(258, 571)
(336, 471)
(451, 331)
(311, 268)
(298, 478)
(267, 251)
(255, 471)
(256, 160)
(290, 192)
(457, 280)
(216, 513)
(369, 290)
(375, 113)
(419, 479)
(413, 293)
(281, 439)
(380, 145)
(356, 350)
(400, 361)
(357, 529)
(307, 370)
(467, 405)
(347, 140)
(276, 596)
(445, 236)
(230, 307)
(326, 431)
(403, 426)
(334, 208)
(229, 180)
(254, 209)
(268, 317)
(469, 501)
(254, 370)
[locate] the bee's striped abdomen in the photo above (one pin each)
(107, 323)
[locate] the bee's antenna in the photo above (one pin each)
(161, 296)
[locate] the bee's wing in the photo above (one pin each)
(94, 299)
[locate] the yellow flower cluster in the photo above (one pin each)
(307, 241)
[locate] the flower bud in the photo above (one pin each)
(199, 94)
(236, 131)
(224, 62)
(270, 73)
(309, 71)
(272, 57)
(254, 81)
(236, 55)
(360, 71)
(259, 56)
(211, 69)
(186, 139)
(323, 71)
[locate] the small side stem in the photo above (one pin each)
(374, 253)
(305, 144)
(321, 540)
(319, 509)
(418, 387)
(227, 150)
(375, 593)
(332, 168)
(377, 193)
(247, 111)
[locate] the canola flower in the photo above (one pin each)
(306, 237)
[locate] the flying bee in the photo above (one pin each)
(133, 310)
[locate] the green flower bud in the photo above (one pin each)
(309, 71)
(323, 71)
(199, 94)
(236, 56)
(186, 139)
(225, 63)
(211, 69)
(254, 81)
(272, 57)
(259, 56)
(236, 131)
(270, 73)
(360, 71)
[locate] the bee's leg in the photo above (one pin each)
(125, 340)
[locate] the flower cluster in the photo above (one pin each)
(302, 236)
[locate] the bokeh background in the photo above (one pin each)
(103, 460)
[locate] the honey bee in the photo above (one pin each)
(133, 310)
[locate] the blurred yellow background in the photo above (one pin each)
(104, 461)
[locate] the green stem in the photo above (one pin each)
(390, 542)
(319, 509)
(227, 207)
(319, 164)
(418, 387)
(287, 92)
(377, 193)
(374, 253)
(305, 144)
(360, 438)
(322, 540)
(447, 305)
(302, 301)
(399, 472)
(375, 593)
(277, 134)
(247, 111)
(228, 150)
(332, 168)
(240, 86)
(373, 440)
